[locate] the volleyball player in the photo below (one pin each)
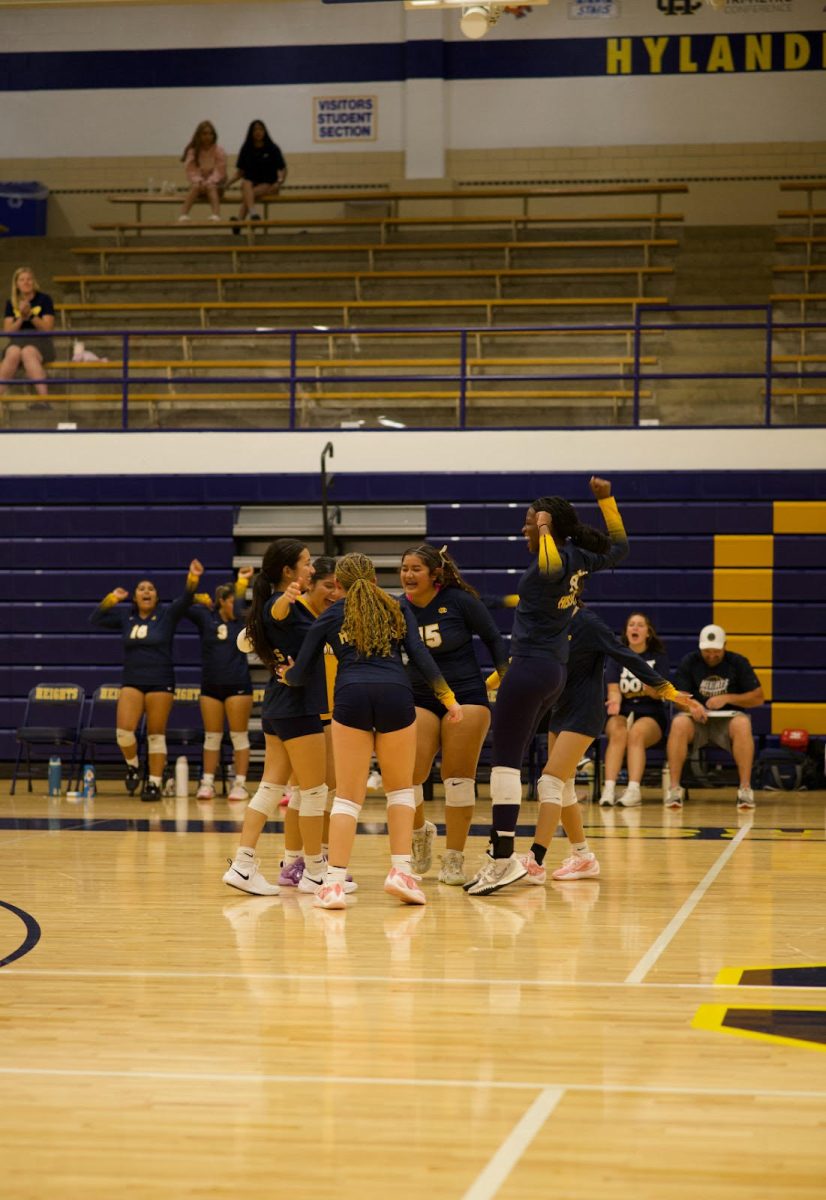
(294, 736)
(148, 684)
(448, 612)
(226, 687)
(373, 711)
(322, 591)
(577, 719)
(566, 552)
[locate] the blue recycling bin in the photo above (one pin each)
(23, 209)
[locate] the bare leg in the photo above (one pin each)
(158, 708)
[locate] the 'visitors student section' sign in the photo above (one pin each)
(345, 119)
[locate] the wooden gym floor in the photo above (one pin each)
(163, 1036)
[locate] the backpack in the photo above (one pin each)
(781, 770)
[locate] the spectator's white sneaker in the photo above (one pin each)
(205, 792)
(631, 797)
(608, 797)
(674, 798)
(745, 799)
(238, 792)
(423, 840)
(246, 876)
(214, 217)
(183, 218)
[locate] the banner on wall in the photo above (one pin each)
(582, 10)
(345, 118)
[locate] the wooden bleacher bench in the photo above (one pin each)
(316, 308)
(394, 197)
(499, 275)
(371, 249)
(321, 366)
(801, 298)
(388, 224)
(797, 393)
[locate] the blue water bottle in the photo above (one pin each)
(89, 783)
(55, 775)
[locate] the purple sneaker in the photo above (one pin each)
(290, 876)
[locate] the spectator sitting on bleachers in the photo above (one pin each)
(725, 684)
(636, 716)
(28, 310)
(205, 163)
(261, 169)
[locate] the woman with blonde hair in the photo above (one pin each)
(373, 711)
(205, 163)
(28, 311)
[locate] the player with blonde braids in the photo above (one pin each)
(373, 711)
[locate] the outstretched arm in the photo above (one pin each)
(105, 616)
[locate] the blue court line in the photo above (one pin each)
(31, 939)
(221, 825)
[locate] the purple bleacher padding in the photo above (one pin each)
(21, 679)
(138, 554)
(802, 687)
(90, 586)
(808, 587)
(92, 647)
(791, 551)
(105, 522)
(790, 653)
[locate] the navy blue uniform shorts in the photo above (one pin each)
(467, 695)
(292, 727)
(222, 692)
(530, 687)
(383, 707)
(146, 688)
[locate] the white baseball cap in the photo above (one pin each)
(712, 637)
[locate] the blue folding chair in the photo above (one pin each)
(52, 720)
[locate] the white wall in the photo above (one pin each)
(403, 453)
(618, 110)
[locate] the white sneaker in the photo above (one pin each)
(205, 792)
(578, 866)
(745, 798)
(308, 884)
(214, 217)
(607, 799)
(422, 856)
(238, 792)
(631, 797)
(453, 868)
(404, 887)
(246, 876)
(373, 782)
(331, 895)
(674, 798)
(183, 218)
(496, 874)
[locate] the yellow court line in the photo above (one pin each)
(710, 1017)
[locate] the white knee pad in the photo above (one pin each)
(295, 798)
(267, 799)
(124, 737)
(403, 798)
(505, 785)
(212, 741)
(460, 793)
(345, 808)
(240, 741)
(418, 793)
(569, 796)
(549, 790)
(314, 801)
(156, 743)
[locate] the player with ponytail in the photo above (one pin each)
(373, 711)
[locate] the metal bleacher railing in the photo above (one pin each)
(454, 383)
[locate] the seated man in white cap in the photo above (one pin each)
(725, 685)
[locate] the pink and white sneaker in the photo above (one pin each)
(238, 792)
(536, 873)
(205, 792)
(331, 895)
(404, 887)
(578, 866)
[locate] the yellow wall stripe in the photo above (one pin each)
(790, 715)
(757, 648)
(800, 516)
(734, 550)
(742, 617)
(745, 583)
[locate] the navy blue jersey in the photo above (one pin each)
(446, 626)
(734, 673)
(632, 697)
(581, 707)
(222, 663)
(548, 590)
(147, 641)
(287, 640)
(354, 667)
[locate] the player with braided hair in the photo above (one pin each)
(448, 612)
(566, 552)
(373, 711)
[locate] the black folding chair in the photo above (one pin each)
(99, 731)
(52, 720)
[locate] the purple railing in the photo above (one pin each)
(648, 321)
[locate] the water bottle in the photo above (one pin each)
(182, 776)
(666, 780)
(89, 782)
(55, 775)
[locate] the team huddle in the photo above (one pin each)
(356, 674)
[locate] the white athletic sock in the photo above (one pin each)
(244, 852)
(240, 780)
(290, 856)
(133, 762)
(156, 779)
(209, 779)
(401, 862)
